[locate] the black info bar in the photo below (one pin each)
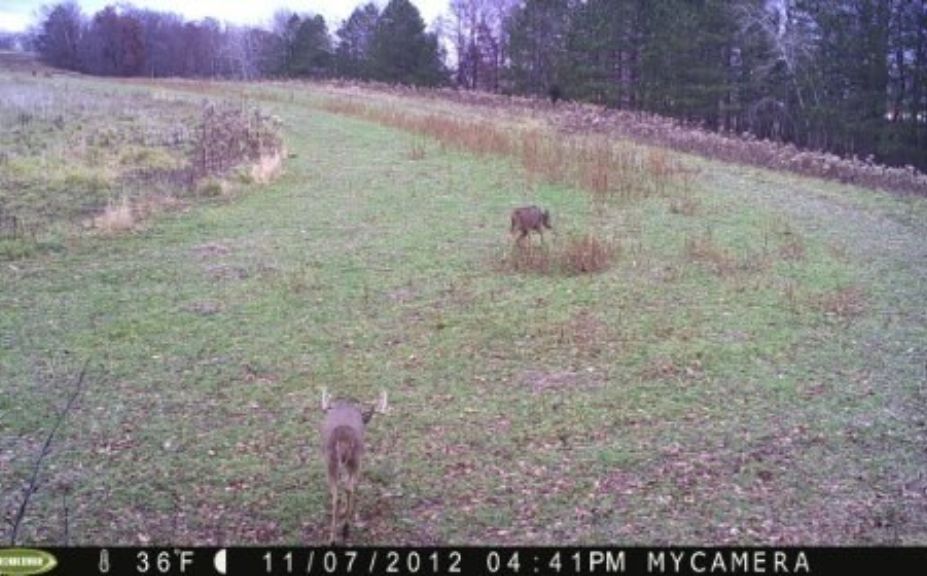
(464, 560)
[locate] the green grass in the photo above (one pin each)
(665, 400)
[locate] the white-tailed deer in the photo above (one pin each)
(342, 447)
(528, 218)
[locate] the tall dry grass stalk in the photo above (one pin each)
(115, 218)
(268, 166)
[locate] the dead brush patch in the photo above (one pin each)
(845, 303)
(230, 135)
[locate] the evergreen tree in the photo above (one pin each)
(355, 40)
(312, 49)
(402, 51)
(537, 32)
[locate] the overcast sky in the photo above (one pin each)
(17, 15)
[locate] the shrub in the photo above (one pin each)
(586, 254)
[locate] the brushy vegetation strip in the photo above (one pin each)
(651, 129)
(598, 165)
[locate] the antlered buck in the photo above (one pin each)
(342, 447)
(528, 218)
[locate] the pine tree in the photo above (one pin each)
(312, 50)
(402, 51)
(537, 33)
(355, 40)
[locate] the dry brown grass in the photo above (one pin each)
(685, 204)
(416, 151)
(116, 217)
(268, 166)
(664, 171)
(704, 250)
(598, 165)
(580, 254)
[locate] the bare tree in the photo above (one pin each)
(58, 35)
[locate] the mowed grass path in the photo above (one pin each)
(749, 373)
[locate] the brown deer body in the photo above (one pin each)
(528, 218)
(342, 447)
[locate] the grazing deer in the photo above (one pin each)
(342, 447)
(529, 218)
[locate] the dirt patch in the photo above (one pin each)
(665, 368)
(225, 272)
(539, 382)
(402, 295)
(211, 250)
(845, 303)
(204, 307)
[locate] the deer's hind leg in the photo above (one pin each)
(350, 486)
(333, 488)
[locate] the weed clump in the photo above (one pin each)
(845, 303)
(580, 254)
(586, 254)
(231, 135)
(531, 258)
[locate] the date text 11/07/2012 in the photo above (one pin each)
(535, 561)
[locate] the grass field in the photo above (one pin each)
(749, 368)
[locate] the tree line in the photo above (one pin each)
(391, 45)
(847, 76)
